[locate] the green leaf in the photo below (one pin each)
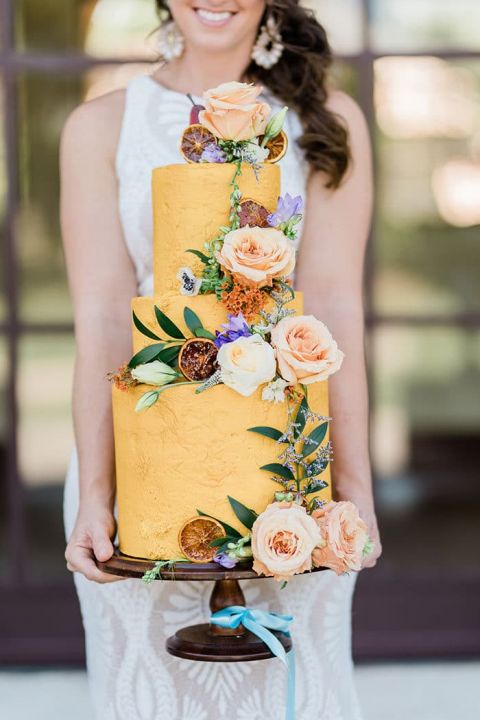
(204, 258)
(202, 332)
(317, 436)
(143, 328)
(228, 528)
(300, 418)
(278, 469)
(266, 431)
(192, 321)
(315, 486)
(246, 516)
(167, 325)
(223, 541)
(316, 467)
(147, 354)
(169, 355)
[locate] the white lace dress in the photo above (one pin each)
(126, 623)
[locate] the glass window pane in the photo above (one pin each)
(426, 446)
(425, 24)
(44, 103)
(107, 28)
(45, 442)
(3, 457)
(342, 20)
(3, 195)
(427, 251)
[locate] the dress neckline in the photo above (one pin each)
(165, 89)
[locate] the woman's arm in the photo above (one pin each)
(330, 273)
(102, 282)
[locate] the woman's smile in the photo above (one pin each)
(214, 18)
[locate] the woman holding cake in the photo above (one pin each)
(109, 148)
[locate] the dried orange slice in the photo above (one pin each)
(195, 537)
(198, 358)
(253, 214)
(194, 140)
(277, 147)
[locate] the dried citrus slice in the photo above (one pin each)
(195, 537)
(194, 140)
(198, 358)
(253, 214)
(277, 147)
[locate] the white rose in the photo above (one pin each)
(246, 363)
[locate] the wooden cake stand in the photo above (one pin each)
(206, 642)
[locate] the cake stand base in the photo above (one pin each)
(206, 642)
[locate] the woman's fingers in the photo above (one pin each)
(102, 546)
(80, 559)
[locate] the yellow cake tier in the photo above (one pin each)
(190, 203)
(190, 451)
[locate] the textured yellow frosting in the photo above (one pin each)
(190, 451)
(190, 203)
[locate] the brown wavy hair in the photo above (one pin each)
(299, 79)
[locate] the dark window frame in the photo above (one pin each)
(62, 641)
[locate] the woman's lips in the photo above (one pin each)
(214, 18)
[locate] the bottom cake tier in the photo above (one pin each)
(189, 452)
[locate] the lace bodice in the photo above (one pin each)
(153, 121)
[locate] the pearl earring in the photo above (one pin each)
(169, 42)
(268, 48)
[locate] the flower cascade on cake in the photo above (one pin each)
(263, 347)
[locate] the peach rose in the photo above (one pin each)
(306, 350)
(283, 538)
(233, 113)
(344, 536)
(257, 254)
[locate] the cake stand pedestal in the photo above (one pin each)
(206, 642)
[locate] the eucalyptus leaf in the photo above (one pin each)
(204, 333)
(147, 354)
(278, 469)
(169, 354)
(316, 467)
(315, 486)
(268, 432)
(143, 328)
(192, 321)
(246, 516)
(204, 258)
(168, 325)
(317, 436)
(301, 418)
(228, 528)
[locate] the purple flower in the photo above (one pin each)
(225, 560)
(213, 154)
(287, 208)
(233, 329)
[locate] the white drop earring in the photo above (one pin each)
(169, 41)
(268, 48)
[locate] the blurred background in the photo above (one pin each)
(414, 67)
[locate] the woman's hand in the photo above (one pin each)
(91, 538)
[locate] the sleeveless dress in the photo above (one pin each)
(131, 675)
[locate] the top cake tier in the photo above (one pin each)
(190, 203)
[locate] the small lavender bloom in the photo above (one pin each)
(213, 154)
(233, 329)
(287, 208)
(225, 560)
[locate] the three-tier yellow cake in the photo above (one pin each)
(191, 451)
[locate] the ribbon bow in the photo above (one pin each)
(260, 622)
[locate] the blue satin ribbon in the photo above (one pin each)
(260, 623)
